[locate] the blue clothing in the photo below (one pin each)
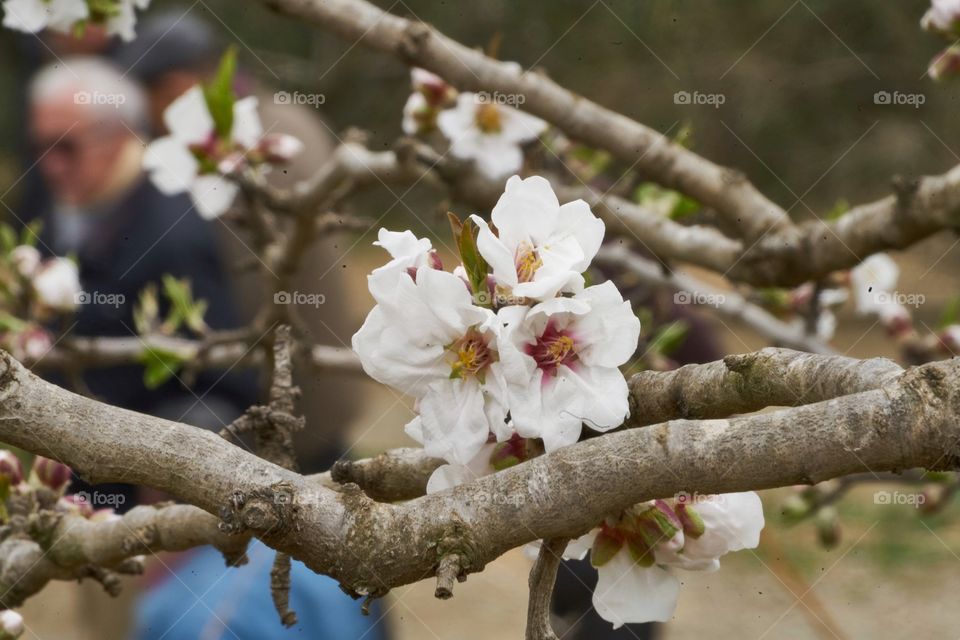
(206, 600)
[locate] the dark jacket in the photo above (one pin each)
(137, 242)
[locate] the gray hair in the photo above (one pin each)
(95, 83)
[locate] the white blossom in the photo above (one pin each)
(33, 16)
(173, 159)
(629, 591)
(57, 284)
(542, 247)
(426, 338)
(563, 356)
(943, 16)
(873, 282)
(489, 133)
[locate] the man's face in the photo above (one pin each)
(77, 146)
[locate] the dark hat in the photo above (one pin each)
(167, 41)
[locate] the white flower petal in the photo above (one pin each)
(628, 593)
(212, 195)
(733, 521)
(453, 421)
(172, 167)
(527, 211)
(611, 330)
(246, 129)
(29, 16)
(188, 119)
(405, 248)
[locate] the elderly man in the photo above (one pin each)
(87, 124)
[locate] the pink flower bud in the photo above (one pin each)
(51, 473)
(10, 467)
(280, 147)
(946, 64)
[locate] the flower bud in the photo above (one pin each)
(26, 259)
(514, 451)
(280, 147)
(828, 527)
(693, 525)
(607, 544)
(10, 467)
(795, 508)
(11, 624)
(946, 64)
(52, 474)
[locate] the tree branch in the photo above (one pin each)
(371, 547)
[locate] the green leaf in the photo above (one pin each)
(474, 264)
(183, 309)
(159, 366)
(219, 93)
(669, 338)
(840, 207)
(146, 311)
(666, 202)
(951, 312)
(31, 233)
(8, 238)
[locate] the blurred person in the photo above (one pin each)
(174, 51)
(87, 123)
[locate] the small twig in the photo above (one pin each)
(280, 589)
(542, 577)
(447, 573)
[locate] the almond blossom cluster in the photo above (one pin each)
(486, 129)
(213, 136)
(68, 16)
(510, 355)
(510, 342)
(35, 288)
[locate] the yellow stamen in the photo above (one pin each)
(488, 118)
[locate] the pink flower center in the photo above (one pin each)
(471, 356)
(553, 348)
